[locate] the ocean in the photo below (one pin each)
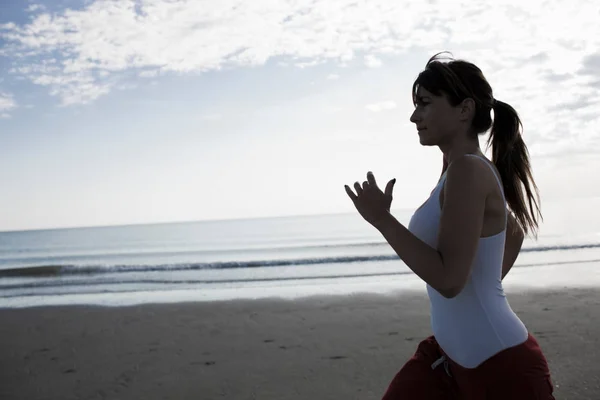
(231, 259)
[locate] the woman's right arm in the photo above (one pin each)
(514, 241)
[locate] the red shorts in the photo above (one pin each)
(517, 373)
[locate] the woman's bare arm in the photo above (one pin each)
(512, 247)
(514, 236)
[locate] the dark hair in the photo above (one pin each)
(458, 80)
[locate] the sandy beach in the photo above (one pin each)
(342, 347)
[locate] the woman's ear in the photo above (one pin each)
(467, 109)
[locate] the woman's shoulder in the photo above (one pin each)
(469, 165)
(474, 173)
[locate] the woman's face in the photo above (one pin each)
(437, 121)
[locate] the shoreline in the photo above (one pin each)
(563, 273)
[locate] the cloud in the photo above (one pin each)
(553, 77)
(333, 77)
(591, 64)
(372, 62)
(149, 74)
(7, 104)
(35, 7)
(539, 57)
(185, 36)
(81, 55)
(381, 106)
(579, 103)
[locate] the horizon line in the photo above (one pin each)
(186, 221)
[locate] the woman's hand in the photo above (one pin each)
(372, 204)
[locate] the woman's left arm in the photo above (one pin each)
(447, 268)
(421, 258)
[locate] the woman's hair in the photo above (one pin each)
(458, 80)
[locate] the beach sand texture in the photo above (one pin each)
(338, 347)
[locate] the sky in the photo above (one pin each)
(127, 112)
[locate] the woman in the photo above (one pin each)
(462, 241)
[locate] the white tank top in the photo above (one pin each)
(479, 322)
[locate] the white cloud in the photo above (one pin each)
(372, 62)
(7, 104)
(381, 106)
(8, 26)
(535, 57)
(149, 74)
(35, 7)
(333, 77)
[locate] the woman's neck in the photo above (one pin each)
(457, 150)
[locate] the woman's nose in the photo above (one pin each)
(414, 117)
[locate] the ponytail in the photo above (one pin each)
(511, 157)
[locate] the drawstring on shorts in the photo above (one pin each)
(441, 360)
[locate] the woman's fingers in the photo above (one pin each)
(358, 189)
(350, 193)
